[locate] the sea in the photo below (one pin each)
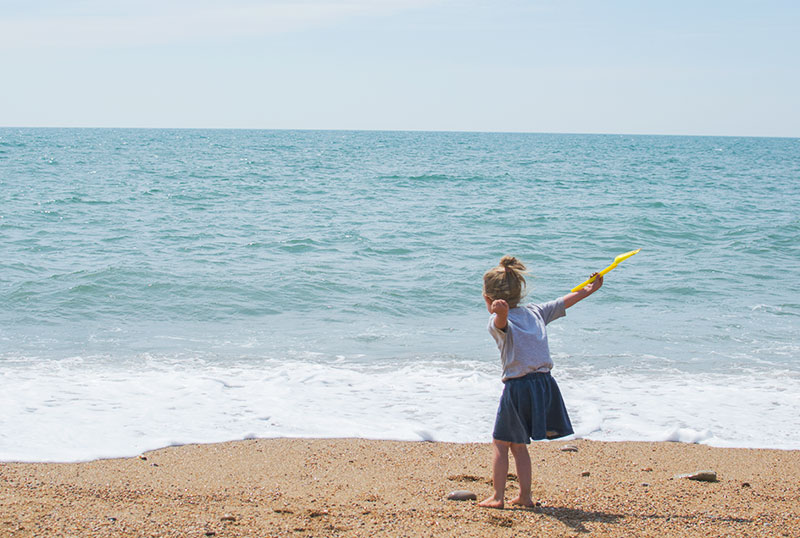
(163, 287)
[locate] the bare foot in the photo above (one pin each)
(527, 502)
(491, 502)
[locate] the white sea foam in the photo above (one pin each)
(736, 409)
(79, 409)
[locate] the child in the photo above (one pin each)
(531, 406)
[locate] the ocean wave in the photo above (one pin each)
(119, 408)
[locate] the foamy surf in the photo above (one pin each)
(80, 409)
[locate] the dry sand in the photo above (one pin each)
(355, 487)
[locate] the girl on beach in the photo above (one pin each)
(531, 406)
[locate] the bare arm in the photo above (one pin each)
(575, 296)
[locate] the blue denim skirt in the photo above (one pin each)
(531, 407)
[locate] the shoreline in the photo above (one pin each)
(358, 487)
(567, 440)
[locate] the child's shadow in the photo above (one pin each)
(575, 518)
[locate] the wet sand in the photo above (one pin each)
(356, 487)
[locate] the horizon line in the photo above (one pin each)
(454, 131)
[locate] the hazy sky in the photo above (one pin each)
(672, 67)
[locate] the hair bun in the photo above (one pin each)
(510, 262)
(506, 281)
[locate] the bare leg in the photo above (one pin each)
(523, 461)
(499, 475)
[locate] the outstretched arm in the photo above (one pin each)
(575, 296)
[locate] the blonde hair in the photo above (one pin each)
(506, 281)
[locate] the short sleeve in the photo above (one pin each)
(498, 335)
(552, 310)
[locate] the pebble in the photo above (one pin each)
(701, 476)
(227, 518)
(585, 473)
(461, 495)
(569, 448)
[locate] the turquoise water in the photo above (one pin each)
(131, 251)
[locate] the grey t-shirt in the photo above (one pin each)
(523, 345)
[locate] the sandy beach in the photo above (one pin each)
(355, 487)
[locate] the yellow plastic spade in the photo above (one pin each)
(619, 259)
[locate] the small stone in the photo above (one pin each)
(645, 484)
(211, 533)
(648, 469)
(142, 457)
(701, 476)
(227, 517)
(585, 473)
(745, 484)
(569, 448)
(461, 495)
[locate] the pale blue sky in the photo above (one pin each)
(677, 67)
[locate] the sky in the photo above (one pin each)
(570, 66)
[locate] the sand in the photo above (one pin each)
(355, 487)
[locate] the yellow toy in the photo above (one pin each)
(619, 259)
